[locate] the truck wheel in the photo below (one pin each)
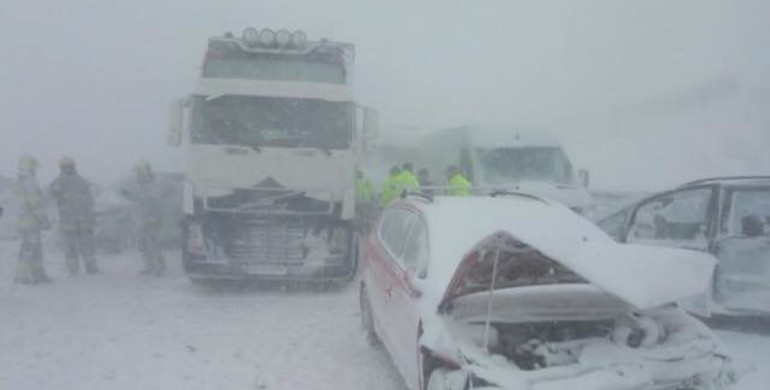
(367, 321)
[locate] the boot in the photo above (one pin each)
(92, 268)
(160, 266)
(73, 266)
(22, 273)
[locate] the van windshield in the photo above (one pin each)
(500, 165)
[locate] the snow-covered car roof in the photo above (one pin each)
(631, 272)
(730, 181)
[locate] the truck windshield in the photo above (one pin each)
(274, 69)
(271, 122)
(500, 165)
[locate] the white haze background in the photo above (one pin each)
(644, 94)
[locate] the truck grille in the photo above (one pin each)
(268, 243)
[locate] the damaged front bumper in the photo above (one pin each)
(232, 247)
(704, 373)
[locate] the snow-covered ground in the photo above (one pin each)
(120, 331)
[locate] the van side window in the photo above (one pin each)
(679, 218)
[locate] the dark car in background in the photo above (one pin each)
(726, 216)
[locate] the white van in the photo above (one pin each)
(506, 158)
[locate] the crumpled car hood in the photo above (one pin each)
(643, 276)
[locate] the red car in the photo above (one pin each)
(516, 292)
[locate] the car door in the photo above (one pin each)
(404, 298)
(681, 218)
(386, 255)
(743, 250)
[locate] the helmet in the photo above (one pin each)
(67, 161)
(27, 165)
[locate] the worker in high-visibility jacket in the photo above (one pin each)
(406, 181)
(365, 201)
(458, 184)
(32, 220)
(388, 193)
(365, 192)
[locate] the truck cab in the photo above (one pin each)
(271, 136)
(508, 158)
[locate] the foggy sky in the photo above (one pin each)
(616, 80)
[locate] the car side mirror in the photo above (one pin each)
(413, 283)
(584, 177)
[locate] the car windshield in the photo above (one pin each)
(527, 163)
(271, 122)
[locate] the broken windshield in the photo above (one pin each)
(271, 122)
(522, 164)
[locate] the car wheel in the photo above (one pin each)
(437, 380)
(367, 321)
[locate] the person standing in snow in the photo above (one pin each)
(389, 188)
(32, 220)
(425, 183)
(76, 217)
(147, 198)
(365, 200)
(459, 185)
(406, 180)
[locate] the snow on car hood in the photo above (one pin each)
(643, 276)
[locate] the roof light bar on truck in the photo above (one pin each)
(251, 36)
(283, 38)
(267, 37)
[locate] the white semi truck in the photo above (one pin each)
(271, 136)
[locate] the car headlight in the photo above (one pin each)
(637, 331)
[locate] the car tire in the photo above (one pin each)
(437, 379)
(367, 321)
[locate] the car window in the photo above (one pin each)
(416, 252)
(677, 218)
(749, 212)
(394, 230)
(614, 224)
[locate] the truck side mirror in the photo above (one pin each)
(176, 122)
(584, 177)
